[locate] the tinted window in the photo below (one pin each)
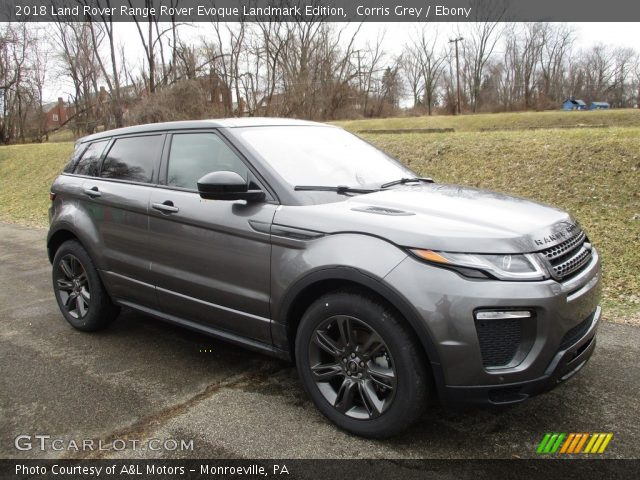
(77, 152)
(89, 163)
(133, 158)
(193, 155)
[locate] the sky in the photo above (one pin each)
(396, 35)
(615, 34)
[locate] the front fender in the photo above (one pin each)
(293, 265)
(361, 259)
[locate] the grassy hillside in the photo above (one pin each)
(26, 173)
(592, 172)
(519, 120)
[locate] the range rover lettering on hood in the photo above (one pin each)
(560, 235)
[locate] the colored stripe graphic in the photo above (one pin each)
(606, 441)
(573, 443)
(543, 443)
(551, 442)
(582, 442)
(556, 445)
(549, 445)
(592, 441)
(567, 443)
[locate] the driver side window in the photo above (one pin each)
(193, 155)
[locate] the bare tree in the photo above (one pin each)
(40, 59)
(369, 61)
(621, 92)
(636, 82)
(153, 37)
(22, 71)
(480, 42)
(111, 71)
(223, 55)
(431, 65)
(274, 37)
(413, 75)
(557, 41)
(599, 71)
(10, 73)
(78, 62)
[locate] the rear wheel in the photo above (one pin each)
(360, 364)
(82, 299)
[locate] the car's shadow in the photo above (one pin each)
(193, 359)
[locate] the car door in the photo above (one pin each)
(210, 264)
(117, 202)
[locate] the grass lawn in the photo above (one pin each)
(26, 173)
(518, 120)
(594, 173)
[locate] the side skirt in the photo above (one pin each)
(208, 330)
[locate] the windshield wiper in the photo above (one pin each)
(402, 181)
(341, 189)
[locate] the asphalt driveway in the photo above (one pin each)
(142, 379)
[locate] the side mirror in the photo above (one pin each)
(226, 185)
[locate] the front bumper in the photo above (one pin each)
(564, 365)
(445, 303)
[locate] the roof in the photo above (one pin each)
(48, 106)
(603, 104)
(196, 124)
(574, 101)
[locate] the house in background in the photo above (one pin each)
(55, 114)
(218, 93)
(599, 106)
(573, 104)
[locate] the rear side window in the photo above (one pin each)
(77, 152)
(89, 163)
(193, 155)
(133, 158)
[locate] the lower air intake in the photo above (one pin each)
(499, 340)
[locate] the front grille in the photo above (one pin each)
(576, 333)
(569, 257)
(499, 340)
(565, 247)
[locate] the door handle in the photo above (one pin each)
(165, 207)
(93, 192)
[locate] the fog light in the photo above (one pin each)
(501, 315)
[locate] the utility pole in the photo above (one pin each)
(456, 40)
(359, 72)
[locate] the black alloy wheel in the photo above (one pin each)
(82, 298)
(362, 364)
(73, 286)
(352, 367)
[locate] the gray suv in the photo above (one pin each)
(303, 241)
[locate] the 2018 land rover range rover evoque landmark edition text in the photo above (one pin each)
(301, 240)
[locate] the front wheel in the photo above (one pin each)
(361, 365)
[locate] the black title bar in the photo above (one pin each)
(566, 469)
(322, 10)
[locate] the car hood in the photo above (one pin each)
(439, 217)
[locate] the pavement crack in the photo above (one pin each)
(142, 428)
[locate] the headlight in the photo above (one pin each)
(475, 265)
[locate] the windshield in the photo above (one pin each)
(310, 155)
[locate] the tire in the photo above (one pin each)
(372, 382)
(80, 294)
